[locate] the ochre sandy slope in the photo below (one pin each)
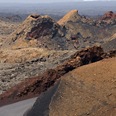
(87, 90)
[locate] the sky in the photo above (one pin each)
(43, 1)
(34, 1)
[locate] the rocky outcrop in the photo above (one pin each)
(36, 85)
(83, 32)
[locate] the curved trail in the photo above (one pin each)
(17, 109)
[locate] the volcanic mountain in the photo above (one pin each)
(71, 32)
(108, 16)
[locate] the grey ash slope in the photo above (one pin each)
(110, 45)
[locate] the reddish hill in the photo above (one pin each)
(108, 16)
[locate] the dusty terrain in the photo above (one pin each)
(18, 65)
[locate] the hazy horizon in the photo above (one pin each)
(47, 1)
(84, 7)
(37, 1)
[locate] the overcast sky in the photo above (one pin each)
(44, 1)
(34, 1)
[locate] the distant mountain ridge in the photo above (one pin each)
(73, 31)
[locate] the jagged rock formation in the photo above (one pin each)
(87, 30)
(71, 32)
(34, 86)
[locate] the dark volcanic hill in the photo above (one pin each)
(71, 32)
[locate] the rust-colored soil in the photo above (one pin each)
(88, 90)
